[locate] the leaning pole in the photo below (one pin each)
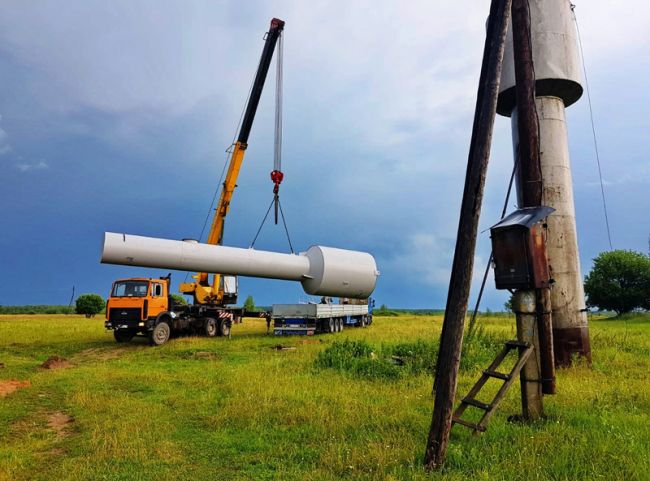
(557, 85)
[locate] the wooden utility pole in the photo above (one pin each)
(530, 169)
(451, 339)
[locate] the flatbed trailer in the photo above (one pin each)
(310, 319)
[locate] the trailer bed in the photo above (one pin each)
(308, 319)
(318, 311)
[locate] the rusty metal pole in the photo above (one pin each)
(451, 339)
(530, 169)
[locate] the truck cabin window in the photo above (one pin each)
(130, 289)
(157, 290)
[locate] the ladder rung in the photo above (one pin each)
(498, 375)
(513, 344)
(467, 424)
(477, 404)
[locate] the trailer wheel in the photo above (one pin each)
(332, 326)
(340, 324)
(121, 335)
(224, 328)
(160, 334)
(210, 327)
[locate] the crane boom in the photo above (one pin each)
(203, 291)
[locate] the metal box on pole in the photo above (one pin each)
(518, 248)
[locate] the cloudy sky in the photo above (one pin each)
(116, 115)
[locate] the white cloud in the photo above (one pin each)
(26, 167)
(5, 147)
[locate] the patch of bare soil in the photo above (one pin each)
(56, 362)
(101, 354)
(59, 422)
(206, 355)
(311, 341)
(9, 386)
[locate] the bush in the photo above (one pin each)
(358, 359)
(390, 362)
(178, 299)
(619, 282)
(89, 304)
(384, 311)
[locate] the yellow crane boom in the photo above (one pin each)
(204, 291)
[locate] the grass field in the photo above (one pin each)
(239, 409)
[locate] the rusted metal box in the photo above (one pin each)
(518, 250)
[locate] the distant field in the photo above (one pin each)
(239, 409)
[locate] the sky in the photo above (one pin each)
(115, 116)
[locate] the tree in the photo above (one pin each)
(619, 281)
(249, 304)
(508, 305)
(89, 304)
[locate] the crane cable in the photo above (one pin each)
(277, 175)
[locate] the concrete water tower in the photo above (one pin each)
(557, 86)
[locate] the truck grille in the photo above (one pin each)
(117, 314)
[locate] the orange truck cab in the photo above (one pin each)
(135, 304)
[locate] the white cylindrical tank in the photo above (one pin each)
(333, 270)
(323, 271)
(555, 56)
(567, 293)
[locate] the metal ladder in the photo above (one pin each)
(525, 350)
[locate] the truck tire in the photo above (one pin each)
(340, 325)
(160, 334)
(224, 328)
(363, 321)
(332, 326)
(122, 335)
(210, 327)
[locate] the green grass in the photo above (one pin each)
(239, 409)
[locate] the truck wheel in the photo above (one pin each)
(210, 327)
(332, 326)
(363, 321)
(160, 334)
(123, 336)
(224, 328)
(340, 326)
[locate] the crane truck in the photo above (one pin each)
(144, 306)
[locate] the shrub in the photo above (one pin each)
(384, 311)
(178, 299)
(358, 359)
(90, 304)
(619, 281)
(391, 362)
